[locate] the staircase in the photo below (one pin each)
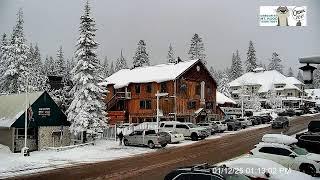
(119, 95)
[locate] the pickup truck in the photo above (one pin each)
(147, 137)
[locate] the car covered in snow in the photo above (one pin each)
(175, 137)
(147, 137)
(258, 168)
(289, 156)
(244, 122)
(187, 129)
(222, 126)
(210, 126)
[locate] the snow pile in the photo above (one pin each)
(4, 149)
(158, 73)
(221, 99)
(266, 80)
(279, 138)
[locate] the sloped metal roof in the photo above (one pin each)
(13, 106)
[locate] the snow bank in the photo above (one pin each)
(279, 138)
(4, 149)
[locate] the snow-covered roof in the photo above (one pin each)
(13, 106)
(266, 80)
(314, 94)
(221, 99)
(158, 73)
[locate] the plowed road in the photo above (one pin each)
(157, 164)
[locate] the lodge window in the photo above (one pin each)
(31, 133)
(145, 104)
(163, 87)
(290, 94)
(149, 88)
(191, 104)
(137, 88)
(198, 89)
(183, 88)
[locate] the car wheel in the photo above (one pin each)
(308, 169)
(126, 142)
(194, 137)
(164, 145)
(151, 145)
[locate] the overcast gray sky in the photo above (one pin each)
(224, 25)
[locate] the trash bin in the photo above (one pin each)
(25, 151)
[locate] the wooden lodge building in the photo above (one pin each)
(190, 86)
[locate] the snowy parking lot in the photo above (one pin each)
(13, 164)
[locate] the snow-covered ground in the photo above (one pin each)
(12, 164)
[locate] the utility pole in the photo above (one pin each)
(25, 149)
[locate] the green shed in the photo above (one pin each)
(47, 124)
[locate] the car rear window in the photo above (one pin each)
(168, 125)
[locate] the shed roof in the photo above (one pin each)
(13, 106)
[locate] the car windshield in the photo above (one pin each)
(298, 150)
(192, 125)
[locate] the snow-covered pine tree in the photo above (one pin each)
(251, 62)
(170, 56)
(275, 63)
(197, 50)
(223, 85)
(14, 79)
(111, 70)
(236, 66)
(273, 100)
(52, 67)
(3, 55)
(299, 76)
(59, 63)
(316, 77)
(121, 63)
(253, 102)
(87, 109)
(105, 66)
(141, 57)
(290, 72)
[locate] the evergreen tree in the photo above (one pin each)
(106, 69)
(273, 100)
(275, 63)
(14, 78)
(121, 63)
(87, 109)
(196, 50)
(316, 77)
(299, 76)
(141, 57)
(251, 62)
(111, 71)
(223, 85)
(3, 55)
(51, 67)
(290, 72)
(59, 63)
(170, 56)
(236, 66)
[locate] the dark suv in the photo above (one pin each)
(280, 122)
(310, 140)
(205, 172)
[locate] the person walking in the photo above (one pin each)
(120, 136)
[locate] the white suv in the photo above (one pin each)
(187, 129)
(291, 157)
(222, 126)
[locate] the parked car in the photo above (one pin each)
(310, 139)
(295, 158)
(290, 112)
(147, 138)
(205, 172)
(256, 120)
(258, 168)
(280, 122)
(222, 126)
(299, 111)
(232, 124)
(313, 110)
(175, 137)
(266, 118)
(244, 122)
(210, 126)
(187, 129)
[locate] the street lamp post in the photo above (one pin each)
(308, 70)
(158, 95)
